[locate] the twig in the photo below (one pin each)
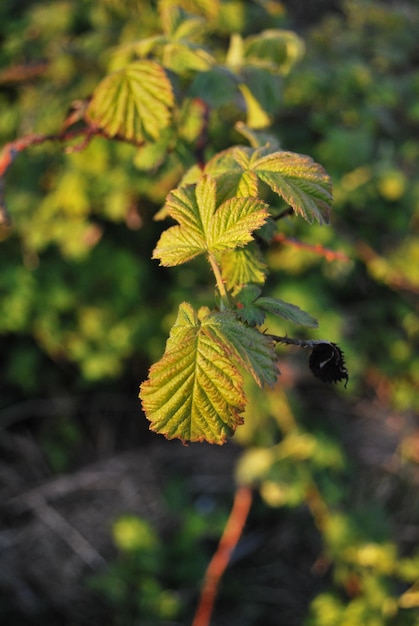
(383, 271)
(230, 537)
(87, 131)
(329, 255)
(285, 213)
(13, 148)
(301, 343)
(22, 73)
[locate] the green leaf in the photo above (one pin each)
(194, 392)
(182, 57)
(287, 311)
(276, 50)
(217, 87)
(301, 182)
(151, 155)
(265, 88)
(192, 120)
(249, 348)
(177, 56)
(133, 102)
(180, 25)
(204, 227)
(232, 178)
(252, 308)
(256, 115)
(247, 310)
(242, 266)
(207, 8)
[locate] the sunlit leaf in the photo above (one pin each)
(204, 227)
(242, 266)
(192, 119)
(208, 8)
(301, 182)
(256, 116)
(277, 50)
(194, 392)
(251, 349)
(133, 102)
(178, 24)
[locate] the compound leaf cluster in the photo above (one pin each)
(205, 226)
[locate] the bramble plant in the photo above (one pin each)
(159, 96)
(176, 110)
(196, 391)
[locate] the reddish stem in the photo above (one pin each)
(230, 537)
(329, 255)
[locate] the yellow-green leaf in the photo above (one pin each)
(304, 184)
(300, 181)
(195, 392)
(242, 266)
(134, 102)
(275, 49)
(205, 227)
(257, 118)
(249, 348)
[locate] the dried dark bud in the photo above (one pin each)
(328, 363)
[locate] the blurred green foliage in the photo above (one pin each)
(81, 302)
(151, 579)
(352, 104)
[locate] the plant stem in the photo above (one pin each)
(229, 540)
(302, 343)
(218, 279)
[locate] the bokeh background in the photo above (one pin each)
(104, 522)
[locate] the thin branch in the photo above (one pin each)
(87, 131)
(285, 213)
(22, 73)
(329, 255)
(219, 562)
(13, 148)
(301, 343)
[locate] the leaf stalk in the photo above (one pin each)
(219, 281)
